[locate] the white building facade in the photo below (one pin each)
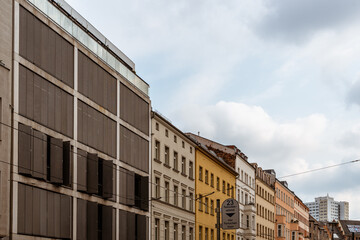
(173, 184)
(326, 209)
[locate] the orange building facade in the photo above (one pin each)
(286, 227)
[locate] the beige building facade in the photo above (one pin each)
(301, 213)
(173, 183)
(265, 205)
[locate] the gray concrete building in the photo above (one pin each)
(173, 173)
(75, 129)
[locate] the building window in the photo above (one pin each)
(242, 175)
(200, 173)
(228, 189)
(200, 203)
(176, 160)
(200, 233)
(247, 222)
(212, 207)
(157, 126)
(167, 230)
(191, 233)
(206, 176)
(176, 233)
(218, 183)
(293, 234)
(191, 170)
(191, 202)
(166, 133)
(212, 180)
(190, 149)
(157, 229)
(175, 139)
(167, 192)
(0, 116)
(176, 195)
(183, 144)
(184, 198)
(212, 234)
(167, 155)
(183, 232)
(279, 232)
(157, 150)
(183, 165)
(242, 197)
(206, 205)
(223, 187)
(206, 234)
(157, 187)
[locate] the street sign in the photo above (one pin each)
(230, 214)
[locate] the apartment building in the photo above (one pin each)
(265, 205)
(286, 227)
(214, 179)
(320, 231)
(326, 209)
(173, 181)
(77, 132)
(301, 214)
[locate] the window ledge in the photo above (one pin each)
(184, 174)
(166, 165)
(175, 170)
(156, 160)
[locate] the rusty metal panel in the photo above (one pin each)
(22, 91)
(43, 213)
(37, 97)
(122, 224)
(21, 208)
(92, 221)
(81, 217)
(57, 215)
(51, 214)
(29, 94)
(37, 40)
(81, 170)
(28, 210)
(65, 216)
(67, 163)
(131, 227)
(56, 160)
(44, 47)
(107, 223)
(58, 53)
(30, 37)
(24, 149)
(51, 106)
(92, 173)
(44, 101)
(36, 211)
(39, 163)
(52, 53)
(22, 32)
(108, 179)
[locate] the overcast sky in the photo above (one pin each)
(278, 79)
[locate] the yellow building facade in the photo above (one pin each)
(214, 180)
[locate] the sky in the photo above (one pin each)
(278, 79)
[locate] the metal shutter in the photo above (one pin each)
(141, 227)
(130, 188)
(108, 179)
(131, 228)
(65, 216)
(81, 217)
(107, 223)
(81, 170)
(39, 155)
(92, 221)
(67, 158)
(56, 160)
(25, 149)
(92, 173)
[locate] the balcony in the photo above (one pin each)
(280, 219)
(249, 232)
(250, 208)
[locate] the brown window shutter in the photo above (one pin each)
(131, 228)
(92, 173)
(51, 214)
(108, 179)
(144, 196)
(81, 216)
(107, 224)
(122, 182)
(36, 211)
(57, 215)
(25, 149)
(122, 224)
(21, 208)
(43, 213)
(56, 160)
(141, 227)
(65, 216)
(81, 170)
(67, 158)
(130, 188)
(39, 155)
(28, 210)
(92, 221)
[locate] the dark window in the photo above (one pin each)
(142, 192)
